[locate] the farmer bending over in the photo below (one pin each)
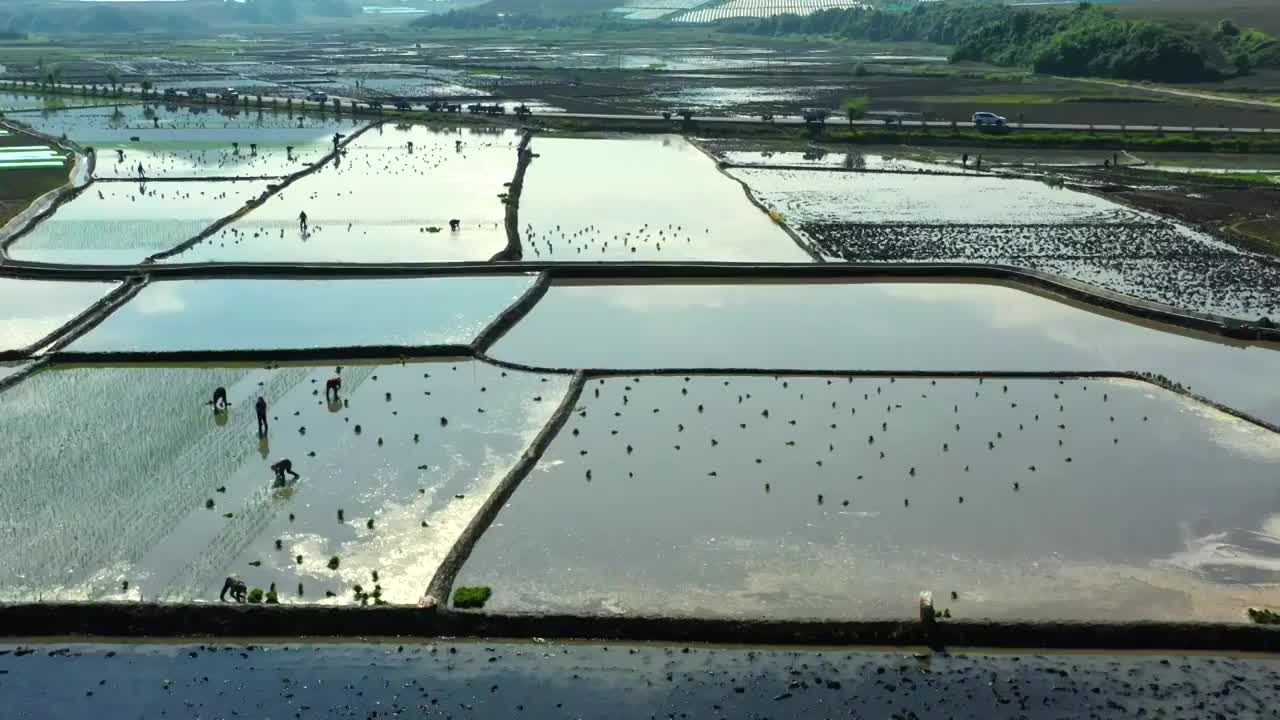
(282, 467)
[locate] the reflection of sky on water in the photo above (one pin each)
(123, 223)
(261, 314)
(670, 204)
(798, 497)
(357, 209)
(34, 308)
(872, 326)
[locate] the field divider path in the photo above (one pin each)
(514, 313)
(253, 204)
(363, 352)
(30, 369)
(232, 620)
(441, 586)
(777, 218)
(863, 171)
(195, 179)
(514, 250)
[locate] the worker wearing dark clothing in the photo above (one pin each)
(236, 587)
(302, 221)
(219, 399)
(332, 385)
(282, 467)
(261, 407)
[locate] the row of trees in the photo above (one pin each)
(1084, 40)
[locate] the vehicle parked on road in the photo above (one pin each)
(981, 119)
(318, 97)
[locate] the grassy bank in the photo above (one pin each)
(18, 188)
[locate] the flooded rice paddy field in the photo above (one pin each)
(194, 315)
(124, 484)
(10, 101)
(389, 199)
(859, 217)
(172, 155)
(124, 223)
(650, 198)
(807, 196)
(119, 123)
(787, 497)
(888, 326)
(882, 160)
(616, 682)
(35, 308)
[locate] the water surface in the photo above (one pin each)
(617, 682)
(34, 308)
(644, 198)
(126, 222)
(383, 203)
(110, 470)
(181, 315)
(786, 497)
(873, 326)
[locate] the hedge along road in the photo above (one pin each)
(835, 117)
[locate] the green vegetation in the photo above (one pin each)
(19, 18)
(855, 107)
(1083, 41)
(21, 187)
(471, 597)
(255, 596)
(1264, 616)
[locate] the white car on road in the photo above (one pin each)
(985, 118)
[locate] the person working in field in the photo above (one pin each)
(332, 385)
(219, 401)
(282, 467)
(261, 408)
(236, 587)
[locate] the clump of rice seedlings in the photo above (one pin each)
(1264, 616)
(255, 596)
(333, 562)
(471, 597)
